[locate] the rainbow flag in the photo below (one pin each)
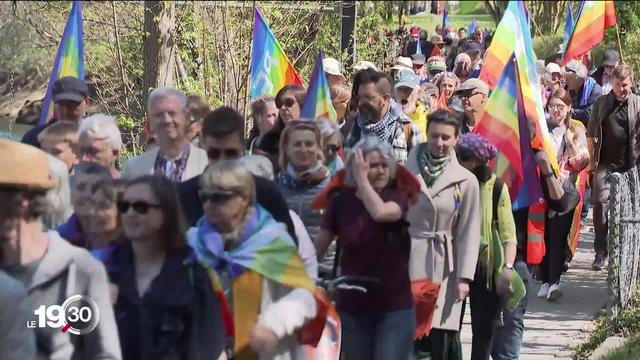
(513, 38)
(271, 69)
(69, 59)
(317, 103)
(594, 17)
(503, 124)
(568, 28)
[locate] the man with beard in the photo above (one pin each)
(175, 157)
(379, 115)
(612, 139)
(407, 89)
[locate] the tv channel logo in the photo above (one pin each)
(78, 315)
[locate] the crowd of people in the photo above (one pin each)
(208, 244)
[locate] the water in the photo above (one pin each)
(16, 134)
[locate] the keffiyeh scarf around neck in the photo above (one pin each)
(294, 180)
(431, 167)
(384, 128)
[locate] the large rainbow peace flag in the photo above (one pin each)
(69, 59)
(512, 38)
(317, 103)
(594, 17)
(503, 124)
(271, 69)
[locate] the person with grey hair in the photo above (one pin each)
(331, 144)
(231, 238)
(584, 90)
(375, 244)
(175, 157)
(100, 141)
(59, 197)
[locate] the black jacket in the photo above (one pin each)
(583, 113)
(268, 195)
(178, 318)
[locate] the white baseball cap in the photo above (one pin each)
(361, 65)
(553, 68)
(331, 66)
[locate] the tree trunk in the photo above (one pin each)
(159, 45)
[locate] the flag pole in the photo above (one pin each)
(619, 44)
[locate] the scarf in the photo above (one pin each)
(384, 128)
(295, 181)
(430, 167)
(264, 247)
(336, 165)
(589, 82)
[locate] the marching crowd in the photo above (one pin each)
(208, 244)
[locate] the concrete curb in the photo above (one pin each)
(610, 344)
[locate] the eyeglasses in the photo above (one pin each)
(468, 95)
(556, 107)
(301, 124)
(217, 197)
(217, 153)
(141, 207)
(331, 148)
(287, 102)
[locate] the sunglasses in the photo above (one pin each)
(468, 95)
(288, 102)
(141, 207)
(332, 148)
(216, 153)
(300, 124)
(217, 197)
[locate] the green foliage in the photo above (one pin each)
(627, 324)
(630, 350)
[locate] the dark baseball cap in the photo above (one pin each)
(70, 88)
(610, 58)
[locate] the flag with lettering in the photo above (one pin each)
(271, 69)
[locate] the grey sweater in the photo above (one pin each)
(17, 342)
(66, 270)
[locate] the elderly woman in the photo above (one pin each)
(331, 144)
(264, 114)
(494, 272)
(375, 244)
(447, 82)
(289, 102)
(164, 304)
(59, 197)
(258, 263)
(570, 144)
(445, 232)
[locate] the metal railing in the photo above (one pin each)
(624, 241)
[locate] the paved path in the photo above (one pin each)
(551, 327)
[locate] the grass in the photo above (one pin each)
(630, 350)
(628, 325)
(429, 21)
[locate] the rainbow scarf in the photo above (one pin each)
(265, 247)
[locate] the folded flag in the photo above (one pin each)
(317, 103)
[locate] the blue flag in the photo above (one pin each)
(472, 27)
(568, 29)
(445, 22)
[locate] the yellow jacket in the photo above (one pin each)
(420, 118)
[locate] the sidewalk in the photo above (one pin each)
(550, 327)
